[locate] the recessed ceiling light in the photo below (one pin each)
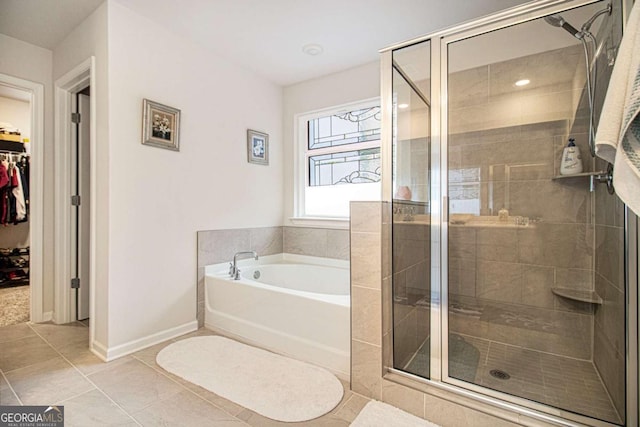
(312, 49)
(403, 105)
(523, 82)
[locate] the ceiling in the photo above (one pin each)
(264, 35)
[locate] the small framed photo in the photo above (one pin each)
(257, 147)
(160, 126)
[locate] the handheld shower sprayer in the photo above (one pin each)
(558, 21)
(586, 37)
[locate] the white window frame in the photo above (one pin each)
(301, 165)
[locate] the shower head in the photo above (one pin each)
(558, 21)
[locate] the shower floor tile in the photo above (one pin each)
(570, 384)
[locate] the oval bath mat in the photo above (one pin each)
(275, 386)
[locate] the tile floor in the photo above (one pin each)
(566, 383)
(43, 364)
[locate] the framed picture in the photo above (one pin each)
(257, 147)
(160, 126)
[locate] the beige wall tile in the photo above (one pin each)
(449, 414)
(338, 245)
(560, 245)
(366, 216)
(499, 281)
(266, 240)
(365, 259)
(497, 245)
(610, 254)
(536, 286)
(366, 369)
(611, 367)
(407, 399)
(305, 241)
(563, 201)
(366, 311)
(217, 246)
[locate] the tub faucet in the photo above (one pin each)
(234, 271)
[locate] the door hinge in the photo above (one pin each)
(75, 283)
(75, 200)
(75, 117)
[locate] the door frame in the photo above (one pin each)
(66, 87)
(36, 195)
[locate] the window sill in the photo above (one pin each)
(321, 222)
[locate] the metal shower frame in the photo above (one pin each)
(440, 384)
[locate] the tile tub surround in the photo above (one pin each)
(216, 246)
(130, 391)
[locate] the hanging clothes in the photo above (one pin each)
(21, 206)
(14, 199)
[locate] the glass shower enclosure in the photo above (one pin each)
(507, 278)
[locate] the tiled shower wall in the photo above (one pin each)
(501, 277)
(216, 246)
(609, 330)
(370, 278)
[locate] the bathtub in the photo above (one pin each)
(294, 305)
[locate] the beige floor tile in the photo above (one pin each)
(94, 409)
(148, 355)
(202, 332)
(256, 420)
(81, 357)
(7, 396)
(47, 382)
(227, 405)
(184, 409)
(24, 352)
(62, 335)
(134, 385)
(352, 407)
(15, 332)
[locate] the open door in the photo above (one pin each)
(80, 227)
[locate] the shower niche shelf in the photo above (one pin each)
(605, 177)
(578, 295)
(578, 175)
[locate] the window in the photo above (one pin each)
(338, 159)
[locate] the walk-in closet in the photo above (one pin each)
(15, 118)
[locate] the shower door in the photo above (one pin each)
(410, 206)
(507, 276)
(532, 312)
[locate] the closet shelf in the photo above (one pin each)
(577, 295)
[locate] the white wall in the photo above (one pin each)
(90, 39)
(33, 63)
(348, 86)
(18, 113)
(160, 198)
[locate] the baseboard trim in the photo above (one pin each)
(99, 350)
(144, 342)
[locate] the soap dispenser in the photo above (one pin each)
(571, 163)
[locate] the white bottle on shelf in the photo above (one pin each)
(571, 163)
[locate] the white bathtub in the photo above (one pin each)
(298, 306)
